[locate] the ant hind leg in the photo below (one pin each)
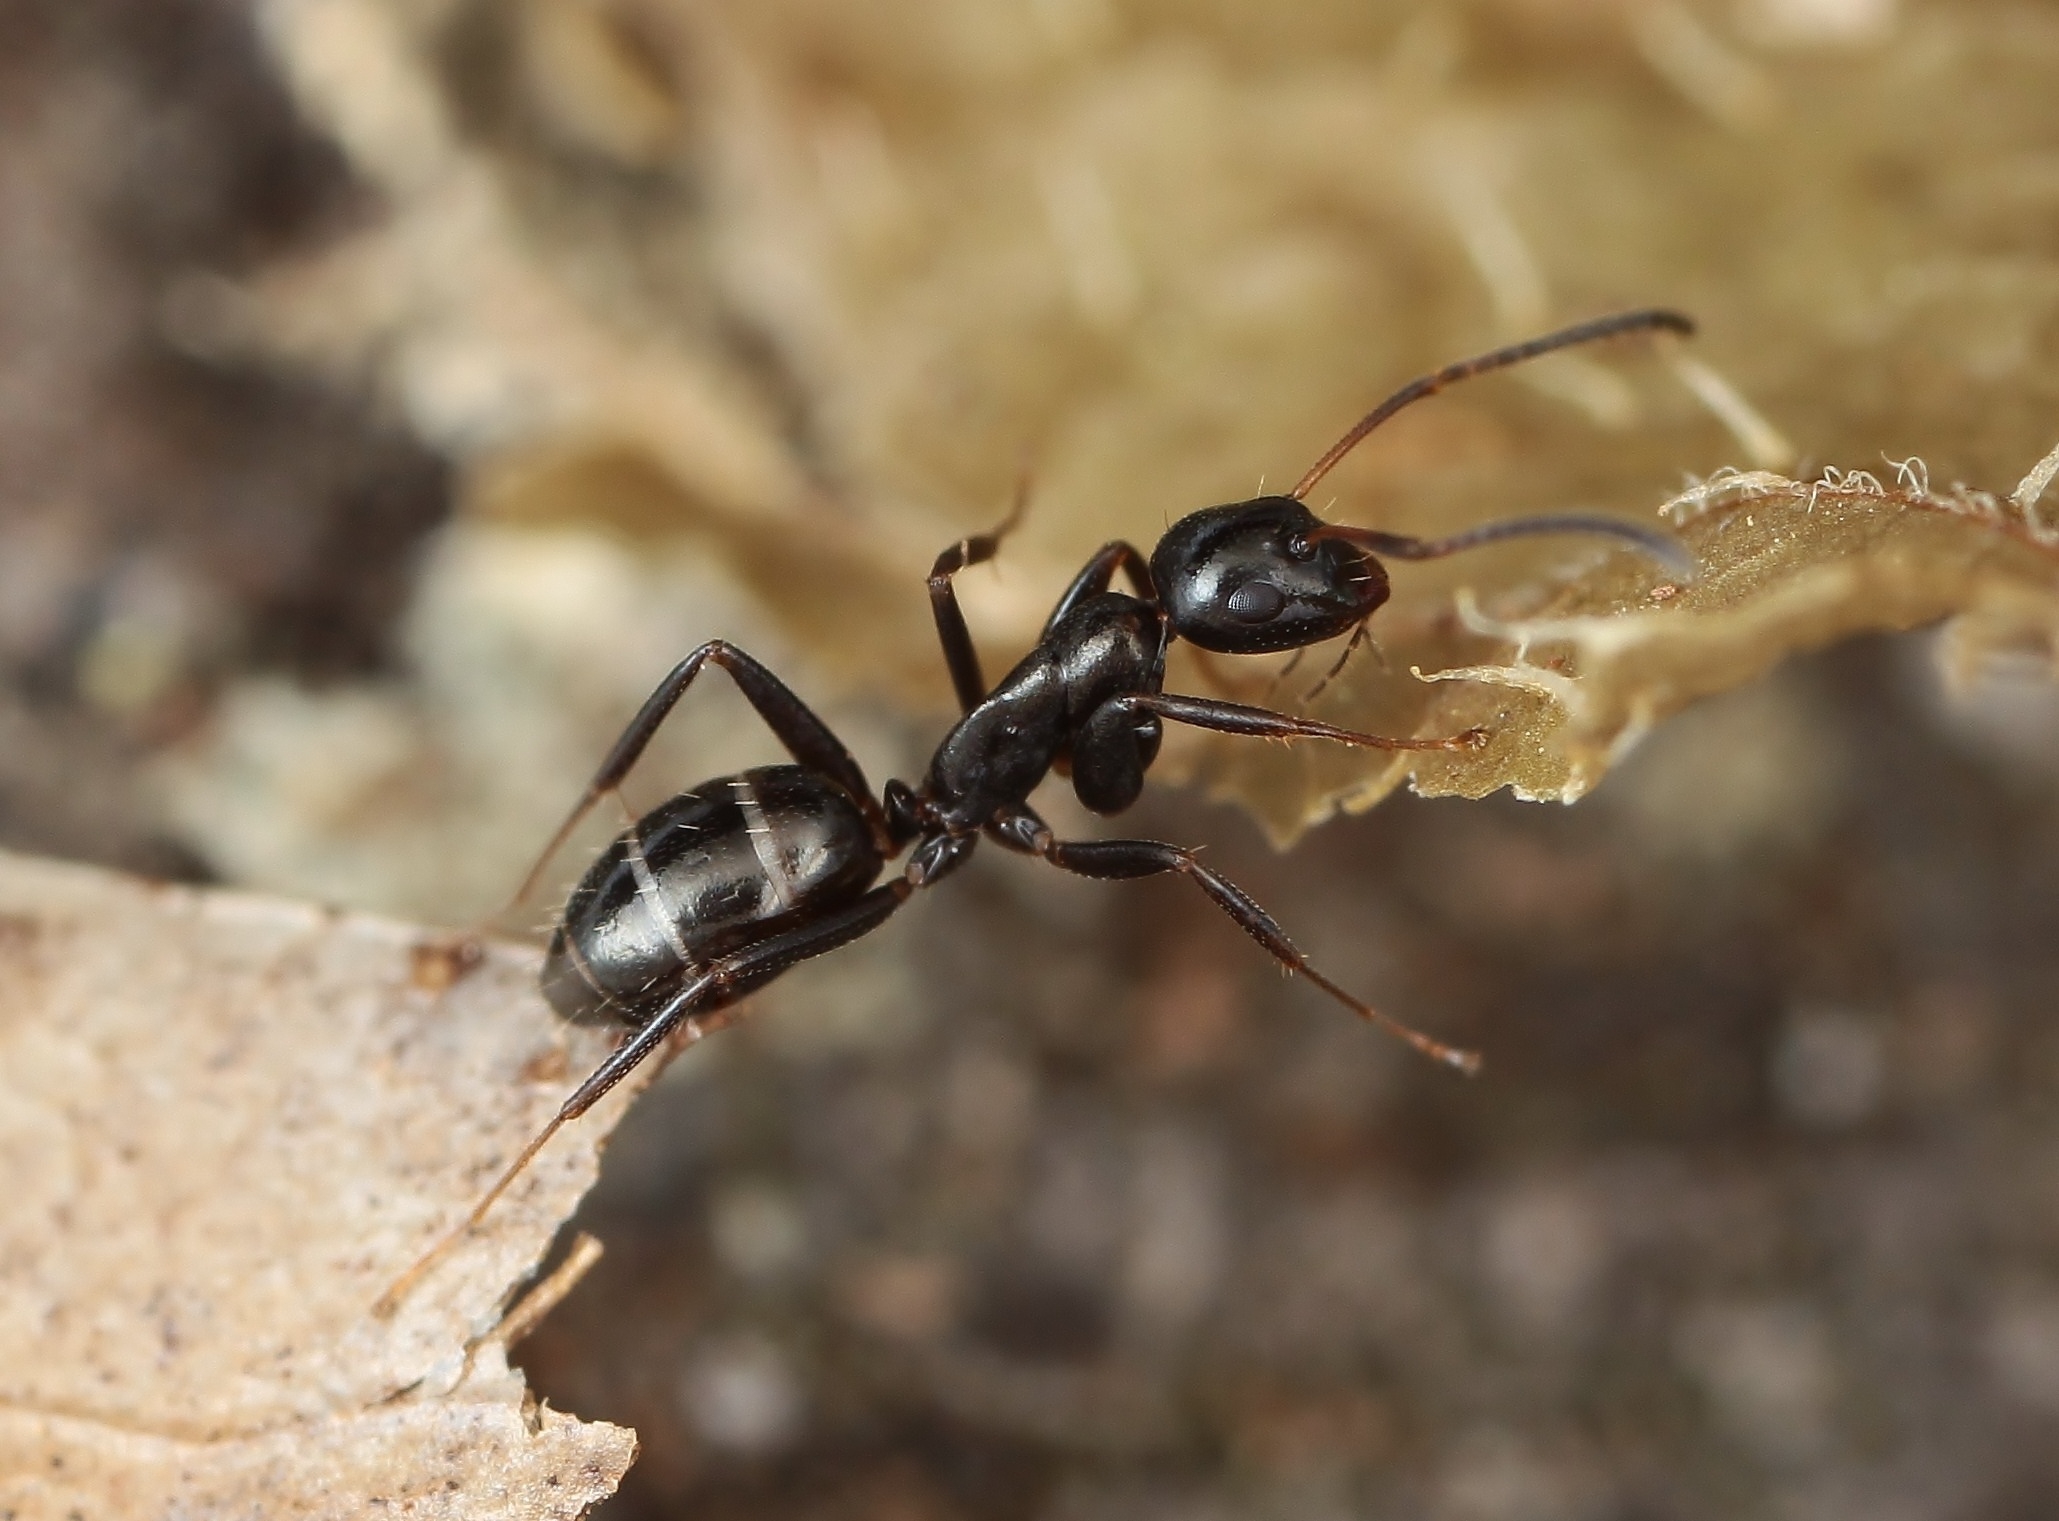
(806, 737)
(706, 1004)
(1118, 859)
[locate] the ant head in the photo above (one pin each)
(1253, 577)
(1268, 574)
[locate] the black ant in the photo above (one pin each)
(718, 891)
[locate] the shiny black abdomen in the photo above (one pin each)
(725, 865)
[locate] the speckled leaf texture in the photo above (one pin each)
(226, 1123)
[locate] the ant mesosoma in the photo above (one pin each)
(724, 887)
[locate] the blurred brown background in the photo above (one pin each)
(391, 391)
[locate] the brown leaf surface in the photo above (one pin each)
(226, 1123)
(1570, 672)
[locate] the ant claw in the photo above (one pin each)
(1475, 738)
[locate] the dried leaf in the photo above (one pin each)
(1167, 254)
(1568, 680)
(227, 1123)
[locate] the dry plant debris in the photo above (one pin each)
(795, 289)
(226, 1123)
(1570, 676)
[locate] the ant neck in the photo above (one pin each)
(910, 815)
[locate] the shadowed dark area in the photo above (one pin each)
(165, 519)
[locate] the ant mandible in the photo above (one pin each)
(716, 892)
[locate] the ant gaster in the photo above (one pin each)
(727, 885)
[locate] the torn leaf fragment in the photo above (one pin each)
(1570, 666)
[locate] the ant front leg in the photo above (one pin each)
(1264, 723)
(793, 723)
(1109, 860)
(960, 654)
(1116, 745)
(1099, 572)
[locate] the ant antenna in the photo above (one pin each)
(1649, 319)
(1661, 546)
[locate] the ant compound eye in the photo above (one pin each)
(1256, 602)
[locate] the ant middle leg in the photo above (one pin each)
(793, 723)
(961, 655)
(1119, 859)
